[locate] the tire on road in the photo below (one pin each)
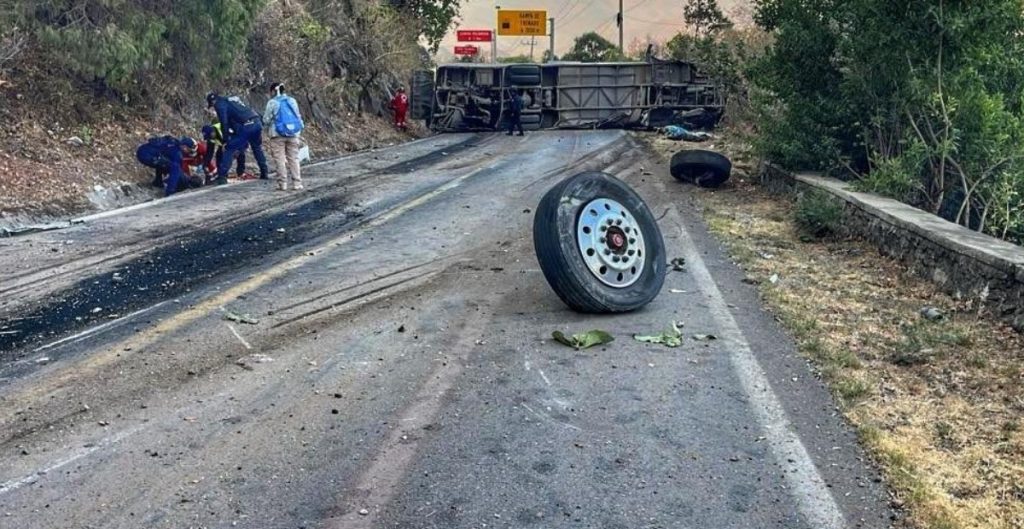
(700, 167)
(599, 245)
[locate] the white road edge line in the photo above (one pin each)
(89, 332)
(807, 486)
(205, 190)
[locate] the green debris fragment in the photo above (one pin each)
(672, 337)
(583, 340)
(240, 318)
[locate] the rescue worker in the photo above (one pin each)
(213, 137)
(196, 156)
(165, 155)
(400, 105)
(244, 130)
(515, 112)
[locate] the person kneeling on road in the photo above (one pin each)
(165, 155)
(196, 156)
(284, 123)
(243, 131)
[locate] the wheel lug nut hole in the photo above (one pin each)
(590, 252)
(604, 270)
(586, 229)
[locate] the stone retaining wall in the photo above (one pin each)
(964, 263)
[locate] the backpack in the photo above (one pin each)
(287, 123)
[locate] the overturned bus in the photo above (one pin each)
(474, 97)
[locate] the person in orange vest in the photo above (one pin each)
(400, 104)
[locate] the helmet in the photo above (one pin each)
(210, 98)
(188, 143)
(208, 132)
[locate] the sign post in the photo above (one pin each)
(530, 23)
(473, 35)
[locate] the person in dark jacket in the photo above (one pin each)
(165, 154)
(244, 130)
(214, 139)
(515, 112)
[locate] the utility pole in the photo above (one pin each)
(622, 50)
(533, 41)
(494, 37)
(551, 22)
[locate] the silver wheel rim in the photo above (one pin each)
(611, 243)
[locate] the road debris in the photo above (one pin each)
(231, 315)
(773, 279)
(677, 291)
(678, 264)
(672, 337)
(42, 361)
(584, 340)
(247, 362)
(704, 337)
(932, 313)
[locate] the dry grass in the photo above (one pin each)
(940, 405)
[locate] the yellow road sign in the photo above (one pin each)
(522, 22)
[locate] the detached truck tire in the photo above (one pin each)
(599, 245)
(700, 167)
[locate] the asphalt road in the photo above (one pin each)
(401, 373)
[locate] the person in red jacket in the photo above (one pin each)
(400, 104)
(195, 156)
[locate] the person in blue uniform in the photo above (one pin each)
(244, 130)
(164, 154)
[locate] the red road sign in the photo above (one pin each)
(473, 35)
(466, 50)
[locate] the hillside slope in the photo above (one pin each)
(84, 82)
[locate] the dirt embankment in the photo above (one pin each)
(70, 119)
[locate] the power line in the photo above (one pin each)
(570, 18)
(636, 6)
(660, 23)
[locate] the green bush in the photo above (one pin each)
(921, 99)
(818, 214)
(130, 46)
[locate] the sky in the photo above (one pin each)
(660, 19)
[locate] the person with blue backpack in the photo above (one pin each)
(284, 122)
(243, 128)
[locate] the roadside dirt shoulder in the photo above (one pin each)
(55, 170)
(932, 384)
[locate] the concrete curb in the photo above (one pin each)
(964, 263)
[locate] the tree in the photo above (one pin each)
(434, 17)
(640, 49)
(918, 99)
(548, 56)
(591, 47)
(705, 17)
(514, 59)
